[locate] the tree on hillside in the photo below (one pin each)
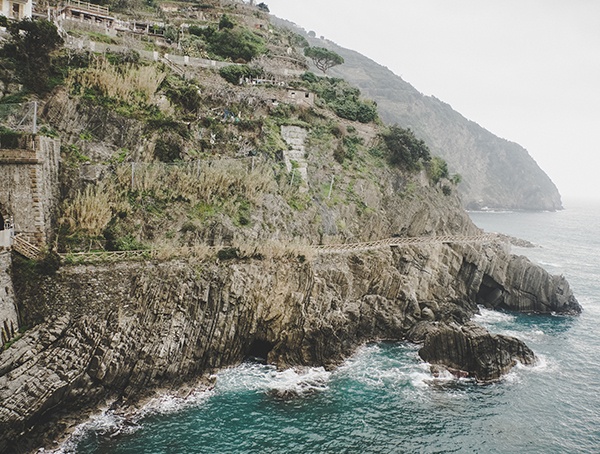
(30, 47)
(323, 58)
(405, 148)
(263, 7)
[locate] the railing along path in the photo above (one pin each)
(115, 256)
(404, 241)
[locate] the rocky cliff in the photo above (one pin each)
(117, 333)
(497, 173)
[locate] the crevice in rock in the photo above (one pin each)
(490, 293)
(259, 350)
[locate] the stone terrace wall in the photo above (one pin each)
(31, 188)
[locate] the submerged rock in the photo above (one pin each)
(470, 350)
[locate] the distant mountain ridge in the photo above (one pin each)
(496, 173)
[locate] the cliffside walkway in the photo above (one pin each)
(116, 256)
(405, 241)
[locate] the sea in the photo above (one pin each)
(384, 399)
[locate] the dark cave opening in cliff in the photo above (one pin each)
(259, 351)
(490, 293)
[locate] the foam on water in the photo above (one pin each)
(104, 424)
(490, 317)
(259, 377)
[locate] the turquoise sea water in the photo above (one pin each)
(383, 399)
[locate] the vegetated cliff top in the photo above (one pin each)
(164, 155)
(496, 173)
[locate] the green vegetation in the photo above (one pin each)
(230, 41)
(404, 148)
(192, 159)
(263, 7)
(342, 98)
(31, 47)
(234, 73)
(323, 58)
(11, 139)
(437, 169)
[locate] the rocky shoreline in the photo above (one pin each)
(118, 333)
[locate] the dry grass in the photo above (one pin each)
(274, 250)
(91, 209)
(128, 83)
(167, 251)
(199, 182)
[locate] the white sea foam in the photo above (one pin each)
(105, 423)
(170, 403)
(491, 317)
(371, 367)
(258, 377)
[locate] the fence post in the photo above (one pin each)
(35, 117)
(330, 187)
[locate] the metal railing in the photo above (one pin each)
(85, 6)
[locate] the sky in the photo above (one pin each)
(526, 70)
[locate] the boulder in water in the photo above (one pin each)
(474, 350)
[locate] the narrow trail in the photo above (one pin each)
(116, 256)
(406, 241)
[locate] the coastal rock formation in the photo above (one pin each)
(167, 324)
(470, 350)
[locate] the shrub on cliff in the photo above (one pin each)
(231, 42)
(30, 46)
(341, 97)
(437, 169)
(234, 73)
(404, 148)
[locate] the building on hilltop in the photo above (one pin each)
(16, 9)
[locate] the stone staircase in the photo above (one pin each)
(295, 158)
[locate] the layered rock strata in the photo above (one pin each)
(118, 332)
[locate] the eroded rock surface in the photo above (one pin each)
(470, 350)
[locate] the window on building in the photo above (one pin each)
(16, 11)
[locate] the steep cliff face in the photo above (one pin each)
(162, 325)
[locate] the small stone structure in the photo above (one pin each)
(29, 176)
(301, 97)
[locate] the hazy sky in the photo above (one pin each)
(527, 70)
